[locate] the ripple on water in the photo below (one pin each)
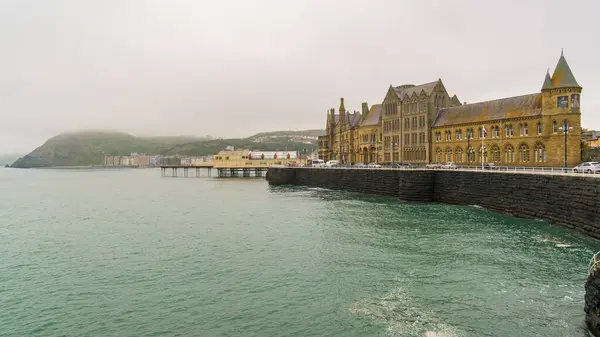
(127, 253)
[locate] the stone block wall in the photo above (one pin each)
(571, 201)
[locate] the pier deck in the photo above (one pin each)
(222, 172)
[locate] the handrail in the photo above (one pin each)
(593, 265)
(494, 169)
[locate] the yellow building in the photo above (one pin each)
(340, 141)
(408, 112)
(526, 130)
(423, 124)
(254, 159)
(369, 134)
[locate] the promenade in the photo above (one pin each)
(498, 169)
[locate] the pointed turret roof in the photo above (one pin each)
(342, 107)
(563, 76)
(547, 81)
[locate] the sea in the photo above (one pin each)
(126, 252)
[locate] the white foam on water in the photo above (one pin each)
(401, 317)
(557, 243)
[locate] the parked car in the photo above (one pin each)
(448, 165)
(401, 165)
(489, 166)
(587, 167)
(373, 165)
(332, 163)
(359, 165)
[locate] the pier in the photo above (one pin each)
(222, 172)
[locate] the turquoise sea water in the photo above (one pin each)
(128, 253)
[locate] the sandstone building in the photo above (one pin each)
(423, 123)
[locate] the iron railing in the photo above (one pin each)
(493, 169)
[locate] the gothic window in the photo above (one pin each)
(458, 155)
(509, 154)
(554, 127)
(470, 154)
(525, 130)
(539, 128)
(438, 155)
(540, 153)
(480, 133)
(524, 153)
(520, 129)
(448, 155)
(482, 154)
(495, 150)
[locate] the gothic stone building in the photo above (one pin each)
(408, 112)
(340, 141)
(526, 130)
(422, 124)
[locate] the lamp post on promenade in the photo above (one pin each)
(469, 148)
(565, 129)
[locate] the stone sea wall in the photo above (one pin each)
(571, 201)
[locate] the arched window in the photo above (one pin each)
(525, 130)
(482, 154)
(539, 128)
(524, 153)
(448, 155)
(509, 154)
(438, 155)
(554, 127)
(540, 153)
(521, 130)
(495, 150)
(458, 155)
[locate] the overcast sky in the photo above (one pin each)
(234, 68)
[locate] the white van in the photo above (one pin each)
(317, 163)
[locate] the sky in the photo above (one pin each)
(238, 67)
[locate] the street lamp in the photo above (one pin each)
(565, 129)
(469, 147)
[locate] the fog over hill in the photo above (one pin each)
(89, 147)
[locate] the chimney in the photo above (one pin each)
(365, 108)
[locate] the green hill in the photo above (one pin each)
(89, 147)
(7, 159)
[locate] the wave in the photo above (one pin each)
(396, 310)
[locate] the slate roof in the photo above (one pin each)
(409, 90)
(547, 82)
(511, 107)
(353, 118)
(372, 117)
(563, 76)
